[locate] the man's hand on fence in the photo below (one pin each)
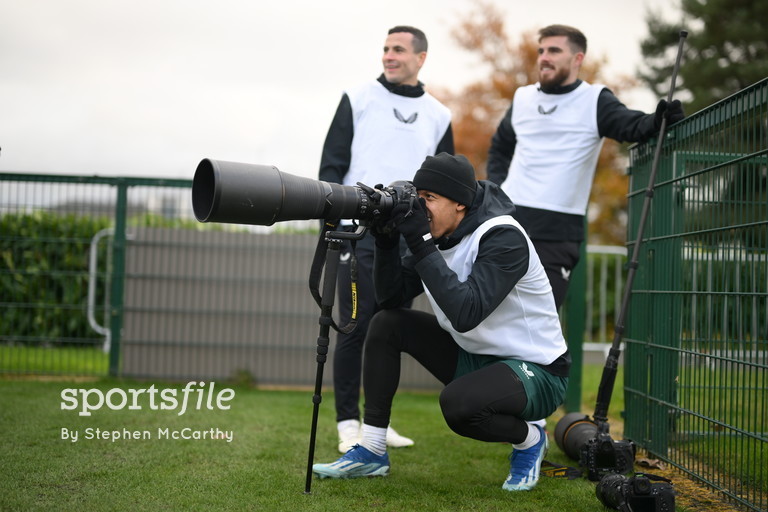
(672, 111)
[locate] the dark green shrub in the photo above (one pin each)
(44, 277)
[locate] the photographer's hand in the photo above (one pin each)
(385, 235)
(381, 227)
(414, 226)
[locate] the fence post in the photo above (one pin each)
(575, 310)
(118, 276)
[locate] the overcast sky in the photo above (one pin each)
(149, 87)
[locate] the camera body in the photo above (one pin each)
(636, 494)
(602, 455)
(581, 439)
(382, 200)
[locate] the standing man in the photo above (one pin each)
(495, 338)
(382, 130)
(545, 150)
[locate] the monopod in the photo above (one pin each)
(575, 430)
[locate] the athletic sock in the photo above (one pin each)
(350, 425)
(533, 437)
(374, 439)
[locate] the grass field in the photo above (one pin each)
(20, 359)
(262, 468)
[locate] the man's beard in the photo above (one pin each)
(556, 81)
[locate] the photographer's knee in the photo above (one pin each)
(384, 320)
(456, 414)
(383, 325)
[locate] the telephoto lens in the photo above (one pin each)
(237, 193)
(610, 491)
(572, 432)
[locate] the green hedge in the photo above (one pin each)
(44, 260)
(44, 277)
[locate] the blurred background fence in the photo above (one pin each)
(113, 276)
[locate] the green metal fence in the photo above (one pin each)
(62, 266)
(697, 339)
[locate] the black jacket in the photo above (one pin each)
(501, 262)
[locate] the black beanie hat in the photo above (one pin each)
(448, 175)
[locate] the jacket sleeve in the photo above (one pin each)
(394, 283)
(501, 262)
(616, 121)
(337, 150)
(446, 143)
(502, 148)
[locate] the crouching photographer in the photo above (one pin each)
(494, 341)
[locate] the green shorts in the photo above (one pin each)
(545, 391)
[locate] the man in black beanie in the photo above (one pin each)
(495, 338)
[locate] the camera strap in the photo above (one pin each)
(559, 471)
(316, 272)
(655, 478)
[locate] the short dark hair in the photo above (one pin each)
(419, 39)
(576, 39)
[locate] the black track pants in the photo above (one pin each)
(482, 405)
(558, 259)
(348, 352)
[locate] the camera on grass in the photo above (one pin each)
(636, 494)
(602, 455)
(238, 193)
(580, 439)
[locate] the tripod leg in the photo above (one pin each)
(323, 341)
(611, 365)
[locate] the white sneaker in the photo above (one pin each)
(395, 440)
(349, 434)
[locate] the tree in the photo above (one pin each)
(726, 50)
(478, 108)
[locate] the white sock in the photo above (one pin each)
(374, 439)
(345, 425)
(533, 437)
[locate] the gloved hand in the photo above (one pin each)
(672, 111)
(382, 229)
(384, 233)
(412, 223)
